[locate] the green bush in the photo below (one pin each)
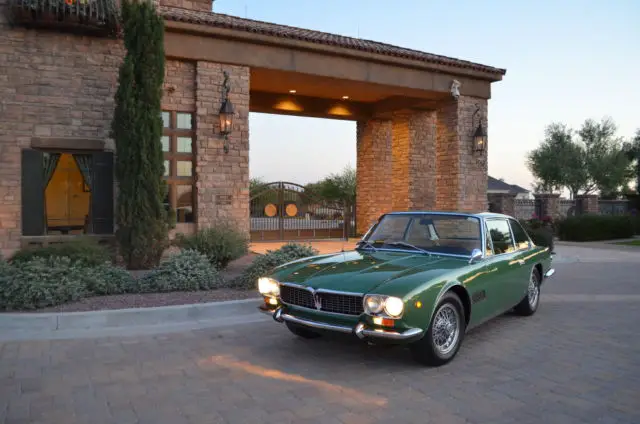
(595, 227)
(41, 282)
(264, 264)
(106, 279)
(188, 270)
(221, 244)
(85, 250)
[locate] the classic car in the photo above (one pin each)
(419, 278)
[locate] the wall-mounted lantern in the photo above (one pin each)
(226, 112)
(480, 134)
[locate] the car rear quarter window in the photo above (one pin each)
(500, 236)
(519, 235)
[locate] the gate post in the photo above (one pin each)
(281, 209)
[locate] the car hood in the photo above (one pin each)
(365, 271)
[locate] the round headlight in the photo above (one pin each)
(374, 304)
(268, 286)
(393, 306)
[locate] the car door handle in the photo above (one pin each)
(521, 261)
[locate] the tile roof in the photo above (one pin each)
(301, 34)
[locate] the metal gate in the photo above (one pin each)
(284, 211)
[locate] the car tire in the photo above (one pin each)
(529, 304)
(300, 331)
(431, 350)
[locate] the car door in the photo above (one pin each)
(525, 260)
(506, 269)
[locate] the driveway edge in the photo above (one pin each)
(13, 325)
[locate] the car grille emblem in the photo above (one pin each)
(316, 300)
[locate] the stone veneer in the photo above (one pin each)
(223, 179)
(422, 160)
(374, 172)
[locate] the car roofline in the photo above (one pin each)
(480, 215)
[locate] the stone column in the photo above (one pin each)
(373, 173)
(504, 203)
(587, 204)
(461, 182)
(546, 204)
(222, 178)
(414, 161)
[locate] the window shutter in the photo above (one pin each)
(102, 193)
(33, 215)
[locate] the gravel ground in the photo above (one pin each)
(147, 300)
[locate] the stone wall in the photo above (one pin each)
(414, 161)
(199, 5)
(223, 178)
(51, 85)
(374, 172)
(461, 182)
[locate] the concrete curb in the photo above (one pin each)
(22, 326)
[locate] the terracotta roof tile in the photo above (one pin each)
(283, 31)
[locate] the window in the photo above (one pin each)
(178, 145)
(520, 236)
(500, 236)
(66, 193)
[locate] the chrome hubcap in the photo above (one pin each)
(533, 291)
(446, 329)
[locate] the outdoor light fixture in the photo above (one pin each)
(226, 112)
(480, 135)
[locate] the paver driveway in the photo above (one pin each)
(577, 360)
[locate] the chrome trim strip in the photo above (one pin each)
(549, 273)
(359, 330)
(315, 324)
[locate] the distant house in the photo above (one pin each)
(498, 186)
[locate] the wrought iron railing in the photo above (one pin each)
(98, 16)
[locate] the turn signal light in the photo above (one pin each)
(383, 322)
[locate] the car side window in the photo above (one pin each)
(519, 235)
(500, 236)
(487, 242)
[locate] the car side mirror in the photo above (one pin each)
(476, 255)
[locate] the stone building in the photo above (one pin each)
(416, 115)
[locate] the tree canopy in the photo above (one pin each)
(338, 189)
(591, 159)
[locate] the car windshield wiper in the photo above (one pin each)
(366, 243)
(402, 243)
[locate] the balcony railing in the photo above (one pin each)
(99, 17)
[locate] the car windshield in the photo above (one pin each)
(433, 233)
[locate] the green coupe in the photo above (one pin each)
(419, 278)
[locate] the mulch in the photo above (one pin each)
(148, 300)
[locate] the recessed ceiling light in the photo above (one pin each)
(345, 97)
(292, 91)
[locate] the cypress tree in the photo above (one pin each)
(142, 232)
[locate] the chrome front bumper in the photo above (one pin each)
(359, 330)
(549, 273)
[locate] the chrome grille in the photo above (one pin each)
(297, 296)
(341, 303)
(330, 302)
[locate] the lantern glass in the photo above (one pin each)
(480, 139)
(226, 117)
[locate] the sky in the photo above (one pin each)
(566, 61)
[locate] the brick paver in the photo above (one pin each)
(577, 360)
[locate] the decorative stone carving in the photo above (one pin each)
(455, 89)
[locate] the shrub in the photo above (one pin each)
(85, 250)
(41, 282)
(188, 270)
(221, 244)
(264, 264)
(106, 279)
(595, 227)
